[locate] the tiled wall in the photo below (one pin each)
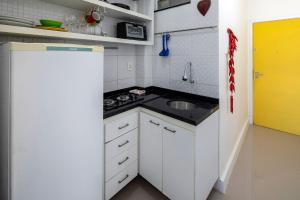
(116, 75)
(34, 9)
(199, 47)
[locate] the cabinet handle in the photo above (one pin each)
(121, 127)
(127, 158)
(121, 145)
(166, 128)
(121, 181)
(152, 122)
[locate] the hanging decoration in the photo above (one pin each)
(232, 48)
(204, 6)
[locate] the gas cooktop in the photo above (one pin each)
(119, 100)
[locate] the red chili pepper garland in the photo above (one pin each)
(232, 48)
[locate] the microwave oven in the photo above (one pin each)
(127, 30)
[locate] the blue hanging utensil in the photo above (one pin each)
(167, 51)
(162, 53)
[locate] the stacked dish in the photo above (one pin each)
(16, 21)
(49, 24)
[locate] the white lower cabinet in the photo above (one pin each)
(151, 150)
(181, 163)
(178, 163)
(167, 157)
(179, 159)
(121, 153)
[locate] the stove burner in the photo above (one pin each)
(119, 100)
(123, 98)
(109, 102)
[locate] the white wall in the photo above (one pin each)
(273, 9)
(232, 14)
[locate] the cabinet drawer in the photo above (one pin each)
(120, 126)
(120, 180)
(120, 162)
(119, 145)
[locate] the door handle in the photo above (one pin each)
(121, 181)
(123, 161)
(258, 75)
(121, 127)
(121, 145)
(152, 122)
(172, 131)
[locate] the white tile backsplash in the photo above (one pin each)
(140, 69)
(199, 47)
(123, 71)
(181, 86)
(204, 42)
(161, 67)
(125, 83)
(110, 86)
(180, 44)
(111, 68)
(206, 90)
(144, 65)
(164, 83)
(178, 64)
(116, 73)
(206, 69)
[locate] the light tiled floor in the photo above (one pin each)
(268, 168)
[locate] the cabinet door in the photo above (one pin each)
(178, 163)
(151, 150)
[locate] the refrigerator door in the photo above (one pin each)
(57, 133)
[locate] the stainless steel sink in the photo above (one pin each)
(182, 105)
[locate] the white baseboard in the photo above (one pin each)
(223, 181)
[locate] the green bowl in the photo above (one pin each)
(51, 23)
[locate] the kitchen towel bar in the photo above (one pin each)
(184, 30)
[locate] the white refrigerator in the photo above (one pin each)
(51, 128)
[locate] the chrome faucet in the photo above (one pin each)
(185, 77)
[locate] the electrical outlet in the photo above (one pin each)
(129, 66)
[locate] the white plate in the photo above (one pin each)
(16, 19)
(7, 22)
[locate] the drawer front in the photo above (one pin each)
(120, 162)
(121, 180)
(119, 145)
(120, 126)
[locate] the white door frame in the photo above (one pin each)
(250, 58)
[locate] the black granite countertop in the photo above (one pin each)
(156, 99)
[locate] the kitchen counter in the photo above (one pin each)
(156, 99)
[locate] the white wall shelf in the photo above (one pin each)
(33, 32)
(111, 10)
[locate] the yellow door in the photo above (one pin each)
(277, 75)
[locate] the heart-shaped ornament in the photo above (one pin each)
(203, 6)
